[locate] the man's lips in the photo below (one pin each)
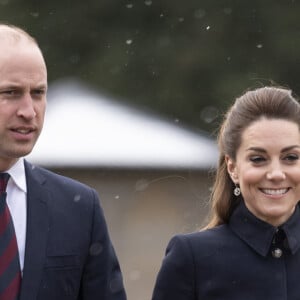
(23, 133)
(23, 130)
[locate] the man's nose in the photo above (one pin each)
(26, 108)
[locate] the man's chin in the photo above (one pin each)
(21, 152)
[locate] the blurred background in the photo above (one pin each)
(137, 90)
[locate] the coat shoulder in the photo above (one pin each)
(206, 242)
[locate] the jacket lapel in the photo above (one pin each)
(36, 233)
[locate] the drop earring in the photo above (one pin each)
(237, 191)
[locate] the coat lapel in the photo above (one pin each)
(36, 233)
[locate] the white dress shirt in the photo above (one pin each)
(17, 203)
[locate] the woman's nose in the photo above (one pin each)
(276, 173)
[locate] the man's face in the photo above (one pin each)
(23, 86)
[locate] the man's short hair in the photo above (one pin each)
(13, 33)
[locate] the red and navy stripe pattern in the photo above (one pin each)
(10, 274)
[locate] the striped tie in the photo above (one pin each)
(10, 274)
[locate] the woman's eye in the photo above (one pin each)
(291, 157)
(257, 159)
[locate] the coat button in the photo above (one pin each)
(277, 253)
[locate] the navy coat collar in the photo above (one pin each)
(259, 234)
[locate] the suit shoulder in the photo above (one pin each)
(58, 179)
(64, 190)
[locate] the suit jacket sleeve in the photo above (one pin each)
(175, 279)
(102, 277)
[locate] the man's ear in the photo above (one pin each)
(231, 168)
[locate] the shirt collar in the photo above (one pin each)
(17, 174)
(259, 234)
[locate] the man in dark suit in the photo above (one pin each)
(63, 245)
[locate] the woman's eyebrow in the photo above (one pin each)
(258, 149)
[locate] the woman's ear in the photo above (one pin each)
(231, 169)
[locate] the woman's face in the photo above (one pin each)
(267, 168)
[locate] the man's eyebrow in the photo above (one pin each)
(9, 86)
(40, 87)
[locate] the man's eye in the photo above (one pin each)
(11, 93)
(8, 92)
(39, 92)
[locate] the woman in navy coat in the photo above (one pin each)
(250, 249)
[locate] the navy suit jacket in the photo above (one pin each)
(68, 252)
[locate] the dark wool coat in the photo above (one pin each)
(246, 259)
